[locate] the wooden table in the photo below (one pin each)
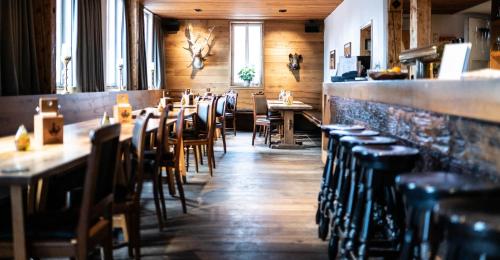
(43, 161)
(288, 112)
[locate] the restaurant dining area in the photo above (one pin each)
(314, 129)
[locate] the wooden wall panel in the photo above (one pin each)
(45, 37)
(17, 110)
(280, 39)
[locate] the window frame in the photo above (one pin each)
(232, 84)
(60, 39)
(148, 44)
(116, 86)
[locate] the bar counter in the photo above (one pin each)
(456, 124)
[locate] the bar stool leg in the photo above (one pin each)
(367, 216)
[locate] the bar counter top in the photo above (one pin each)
(475, 99)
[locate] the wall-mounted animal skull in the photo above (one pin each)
(197, 49)
(295, 60)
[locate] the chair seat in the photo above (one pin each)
(151, 155)
(351, 141)
(436, 185)
(337, 134)
(53, 225)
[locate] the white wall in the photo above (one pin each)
(343, 25)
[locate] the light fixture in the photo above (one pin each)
(282, 10)
(197, 10)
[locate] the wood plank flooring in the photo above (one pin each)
(260, 204)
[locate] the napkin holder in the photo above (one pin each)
(48, 123)
(187, 99)
(122, 111)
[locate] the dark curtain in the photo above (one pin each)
(128, 35)
(18, 59)
(89, 49)
(142, 62)
(158, 54)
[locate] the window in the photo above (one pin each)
(116, 44)
(246, 51)
(65, 42)
(148, 40)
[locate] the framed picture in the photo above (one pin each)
(347, 50)
(332, 60)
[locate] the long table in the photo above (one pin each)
(288, 112)
(40, 162)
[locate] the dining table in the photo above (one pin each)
(288, 112)
(20, 170)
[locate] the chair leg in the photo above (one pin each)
(137, 235)
(200, 154)
(234, 124)
(209, 159)
(213, 155)
(253, 136)
(170, 180)
(270, 134)
(195, 158)
(181, 189)
(162, 194)
(131, 233)
(157, 202)
(107, 246)
(187, 158)
(223, 131)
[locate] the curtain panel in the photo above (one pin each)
(89, 49)
(158, 52)
(18, 59)
(142, 62)
(128, 36)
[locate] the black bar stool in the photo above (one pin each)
(347, 185)
(333, 177)
(421, 192)
(331, 155)
(378, 217)
(472, 228)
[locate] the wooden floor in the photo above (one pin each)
(260, 204)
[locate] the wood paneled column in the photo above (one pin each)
(133, 43)
(420, 23)
(395, 29)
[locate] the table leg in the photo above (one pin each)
(288, 124)
(16, 198)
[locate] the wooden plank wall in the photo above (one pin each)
(280, 39)
(17, 110)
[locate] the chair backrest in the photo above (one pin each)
(162, 133)
(203, 115)
(102, 164)
(231, 102)
(221, 106)
(259, 104)
(179, 129)
(137, 151)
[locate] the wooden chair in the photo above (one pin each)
(220, 114)
(261, 118)
(74, 232)
(203, 134)
(161, 157)
(231, 109)
(128, 194)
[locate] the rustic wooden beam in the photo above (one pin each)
(395, 32)
(133, 43)
(420, 23)
(44, 14)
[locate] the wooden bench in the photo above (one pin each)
(314, 116)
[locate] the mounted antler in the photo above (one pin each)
(196, 49)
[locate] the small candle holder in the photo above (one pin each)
(67, 60)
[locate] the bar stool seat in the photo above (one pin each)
(422, 192)
(386, 157)
(327, 128)
(435, 185)
(473, 227)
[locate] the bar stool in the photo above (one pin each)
(378, 217)
(472, 228)
(421, 192)
(333, 177)
(330, 158)
(347, 186)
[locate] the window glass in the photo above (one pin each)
(246, 51)
(116, 54)
(65, 42)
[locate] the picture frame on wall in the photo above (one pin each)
(347, 50)
(332, 59)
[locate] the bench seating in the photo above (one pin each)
(314, 116)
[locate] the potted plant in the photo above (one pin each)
(246, 74)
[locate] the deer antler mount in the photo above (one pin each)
(197, 49)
